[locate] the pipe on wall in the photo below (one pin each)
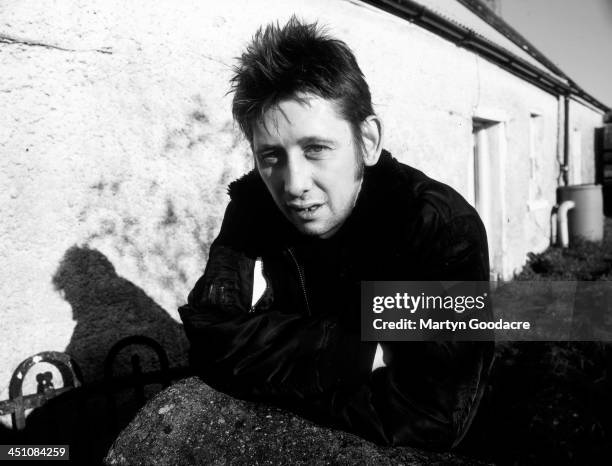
(562, 224)
(566, 129)
(553, 225)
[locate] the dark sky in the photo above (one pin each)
(574, 34)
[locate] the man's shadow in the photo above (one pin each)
(108, 308)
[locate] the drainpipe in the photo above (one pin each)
(562, 225)
(566, 124)
(553, 225)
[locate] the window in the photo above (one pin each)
(535, 156)
(576, 157)
(487, 185)
(484, 141)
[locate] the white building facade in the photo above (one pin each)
(117, 145)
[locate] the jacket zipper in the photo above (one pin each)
(301, 276)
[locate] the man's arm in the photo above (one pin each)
(424, 396)
(271, 354)
(279, 353)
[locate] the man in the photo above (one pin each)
(325, 208)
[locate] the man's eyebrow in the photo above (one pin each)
(304, 141)
(314, 140)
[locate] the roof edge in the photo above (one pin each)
(468, 39)
(490, 17)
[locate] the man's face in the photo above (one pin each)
(305, 153)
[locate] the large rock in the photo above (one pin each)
(190, 423)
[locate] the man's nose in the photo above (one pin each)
(297, 176)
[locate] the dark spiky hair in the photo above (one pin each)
(284, 62)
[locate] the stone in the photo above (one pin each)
(190, 423)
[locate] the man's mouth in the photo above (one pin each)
(305, 212)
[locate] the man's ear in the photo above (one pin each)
(371, 138)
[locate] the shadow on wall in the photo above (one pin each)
(107, 308)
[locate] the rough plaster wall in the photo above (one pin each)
(538, 210)
(517, 100)
(118, 145)
(115, 160)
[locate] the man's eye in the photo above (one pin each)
(268, 159)
(316, 149)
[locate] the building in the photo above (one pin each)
(117, 146)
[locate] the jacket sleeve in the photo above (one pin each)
(277, 353)
(266, 354)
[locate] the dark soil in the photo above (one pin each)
(551, 402)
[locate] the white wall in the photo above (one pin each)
(115, 154)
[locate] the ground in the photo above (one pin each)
(551, 402)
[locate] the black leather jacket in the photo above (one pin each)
(300, 347)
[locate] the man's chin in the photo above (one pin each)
(319, 227)
(315, 230)
(308, 230)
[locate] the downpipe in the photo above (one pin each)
(559, 226)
